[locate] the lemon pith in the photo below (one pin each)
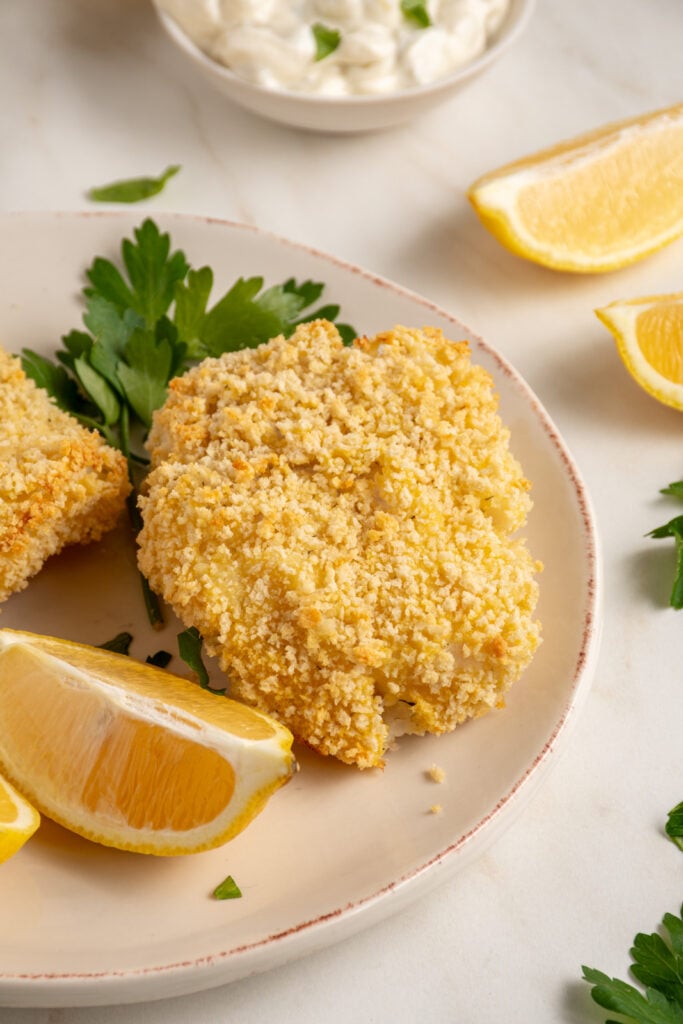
(130, 755)
(649, 337)
(593, 203)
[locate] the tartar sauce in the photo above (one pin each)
(369, 46)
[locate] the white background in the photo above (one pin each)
(93, 91)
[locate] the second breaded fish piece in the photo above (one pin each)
(59, 483)
(337, 523)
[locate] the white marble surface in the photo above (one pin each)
(92, 91)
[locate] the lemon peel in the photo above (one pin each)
(593, 203)
(649, 335)
(129, 755)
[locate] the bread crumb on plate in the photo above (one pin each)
(436, 773)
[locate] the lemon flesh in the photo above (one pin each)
(594, 203)
(129, 755)
(649, 336)
(18, 820)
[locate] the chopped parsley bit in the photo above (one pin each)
(132, 190)
(150, 324)
(160, 660)
(227, 890)
(190, 650)
(120, 644)
(674, 529)
(674, 826)
(416, 12)
(657, 965)
(326, 40)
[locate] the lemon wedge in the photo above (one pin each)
(18, 820)
(649, 337)
(594, 203)
(129, 755)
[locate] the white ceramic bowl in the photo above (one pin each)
(346, 113)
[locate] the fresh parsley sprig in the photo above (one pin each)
(674, 530)
(656, 963)
(658, 966)
(147, 322)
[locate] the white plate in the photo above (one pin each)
(336, 849)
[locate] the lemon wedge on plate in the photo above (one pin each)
(596, 202)
(129, 755)
(649, 337)
(18, 820)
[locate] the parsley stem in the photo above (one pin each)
(152, 602)
(139, 459)
(124, 431)
(101, 428)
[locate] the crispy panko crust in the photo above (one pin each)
(337, 524)
(60, 483)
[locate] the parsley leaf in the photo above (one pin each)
(132, 190)
(54, 379)
(191, 300)
(674, 825)
(98, 390)
(145, 372)
(227, 890)
(674, 528)
(347, 333)
(153, 271)
(326, 40)
(239, 320)
(246, 316)
(416, 12)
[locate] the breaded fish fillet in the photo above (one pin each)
(59, 483)
(337, 524)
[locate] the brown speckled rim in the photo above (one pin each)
(183, 977)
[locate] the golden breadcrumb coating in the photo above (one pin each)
(59, 484)
(337, 524)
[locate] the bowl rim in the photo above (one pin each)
(516, 18)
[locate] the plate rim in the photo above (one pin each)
(33, 989)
